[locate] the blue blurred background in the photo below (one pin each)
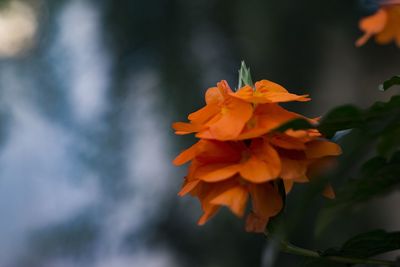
(88, 90)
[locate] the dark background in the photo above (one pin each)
(89, 89)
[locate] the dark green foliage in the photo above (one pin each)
(380, 119)
(395, 80)
(377, 177)
(341, 118)
(375, 132)
(296, 124)
(374, 121)
(367, 245)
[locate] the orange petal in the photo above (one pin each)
(329, 192)
(232, 119)
(288, 185)
(268, 86)
(266, 200)
(186, 128)
(322, 148)
(210, 211)
(372, 25)
(204, 114)
(207, 192)
(205, 134)
(267, 92)
(188, 186)
(266, 117)
(255, 224)
(257, 171)
(292, 169)
(214, 96)
(263, 151)
(188, 154)
(245, 93)
(235, 198)
(287, 142)
(224, 87)
(216, 172)
(391, 30)
(219, 152)
(274, 97)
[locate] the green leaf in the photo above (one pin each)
(378, 176)
(389, 141)
(372, 121)
(244, 76)
(367, 245)
(341, 118)
(395, 80)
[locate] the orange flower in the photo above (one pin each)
(240, 156)
(384, 24)
(240, 115)
(223, 170)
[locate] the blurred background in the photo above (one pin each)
(89, 89)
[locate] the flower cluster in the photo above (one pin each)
(240, 155)
(384, 24)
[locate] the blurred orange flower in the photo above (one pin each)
(384, 24)
(241, 156)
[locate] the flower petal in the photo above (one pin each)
(257, 171)
(275, 97)
(372, 25)
(288, 185)
(244, 93)
(322, 148)
(209, 211)
(269, 86)
(235, 198)
(231, 120)
(256, 224)
(216, 172)
(391, 31)
(267, 92)
(292, 169)
(287, 142)
(188, 154)
(204, 114)
(266, 200)
(188, 186)
(186, 128)
(329, 192)
(264, 152)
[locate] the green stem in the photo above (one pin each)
(291, 249)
